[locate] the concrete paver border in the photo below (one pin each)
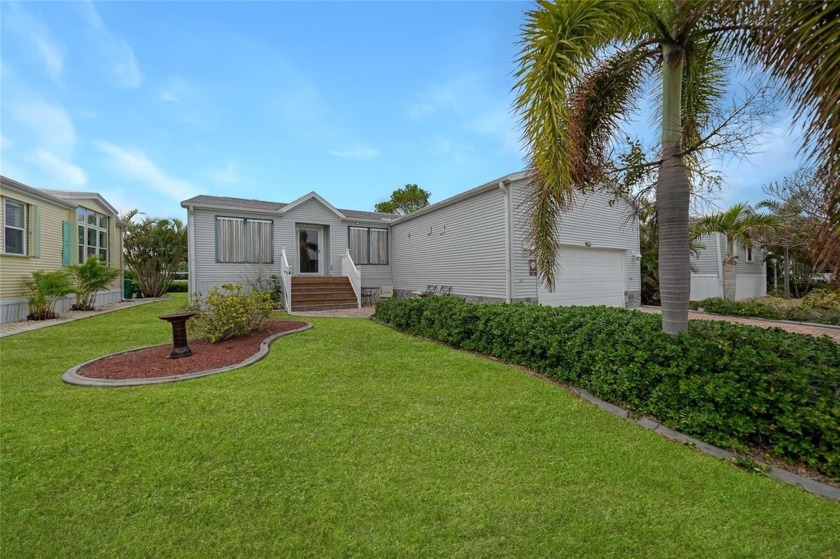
(72, 376)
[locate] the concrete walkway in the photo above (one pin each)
(12, 328)
(364, 312)
(808, 329)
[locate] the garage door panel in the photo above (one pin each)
(585, 276)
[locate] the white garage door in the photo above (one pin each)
(586, 276)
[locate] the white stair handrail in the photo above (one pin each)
(354, 274)
(286, 278)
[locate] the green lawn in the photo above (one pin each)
(352, 439)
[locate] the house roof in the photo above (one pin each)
(226, 202)
(36, 192)
(77, 195)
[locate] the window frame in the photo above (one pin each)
(24, 207)
(87, 227)
(369, 246)
(749, 255)
(244, 233)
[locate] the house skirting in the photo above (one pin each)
(632, 299)
(17, 308)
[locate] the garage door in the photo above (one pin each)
(587, 276)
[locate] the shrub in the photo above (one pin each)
(44, 290)
(90, 278)
(822, 299)
(178, 286)
(816, 309)
(229, 313)
(732, 385)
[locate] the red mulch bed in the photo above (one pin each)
(154, 362)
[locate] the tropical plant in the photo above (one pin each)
(44, 290)
(405, 200)
(154, 248)
(739, 224)
(90, 278)
(229, 312)
(584, 64)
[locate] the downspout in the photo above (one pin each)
(191, 251)
(719, 263)
(508, 244)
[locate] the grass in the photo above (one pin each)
(353, 439)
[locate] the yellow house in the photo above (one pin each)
(49, 229)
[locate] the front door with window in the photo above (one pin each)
(310, 250)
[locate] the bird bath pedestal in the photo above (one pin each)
(179, 333)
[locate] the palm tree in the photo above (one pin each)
(154, 248)
(739, 225)
(91, 277)
(583, 65)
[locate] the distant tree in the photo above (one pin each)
(154, 248)
(738, 226)
(405, 200)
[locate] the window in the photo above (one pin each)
(749, 254)
(93, 234)
(368, 246)
(244, 240)
(14, 227)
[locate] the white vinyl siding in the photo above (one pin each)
(595, 218)
(240, 240)
(14, 227)
(368, 246)
(462, 245)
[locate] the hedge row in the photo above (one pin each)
(730, 385)
(178, 286)
(773, 309)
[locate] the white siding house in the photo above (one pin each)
(707, 270)
(476, 242)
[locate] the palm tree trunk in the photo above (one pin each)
(787, 274)
(730, 278)
(672, 200)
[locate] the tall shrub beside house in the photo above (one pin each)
(154, 248)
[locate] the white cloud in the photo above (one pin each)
(456, 95)
(136, 166)
(50, 51)
(52, 56)
(226, 176)
(498, 123)
(175, 90)
(64, 173)
(118, 54)
(360, 152)
(49, 124)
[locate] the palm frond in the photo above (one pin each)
(560, 41)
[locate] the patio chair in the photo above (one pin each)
(430, 290)
(445, 290)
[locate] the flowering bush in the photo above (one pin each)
(229, 313)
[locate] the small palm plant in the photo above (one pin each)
(740, 226)
(44, 290)
(90, 278)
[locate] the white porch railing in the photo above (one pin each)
(354, 274)
(286, 278)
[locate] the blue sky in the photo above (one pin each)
(149, 103)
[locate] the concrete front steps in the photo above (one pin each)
(320, 293)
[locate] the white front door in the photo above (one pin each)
(586, 276)
(310, 254)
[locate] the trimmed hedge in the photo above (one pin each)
(774, 309)
(178, 286)
(731, 385)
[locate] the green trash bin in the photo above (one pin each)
(127, 288)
